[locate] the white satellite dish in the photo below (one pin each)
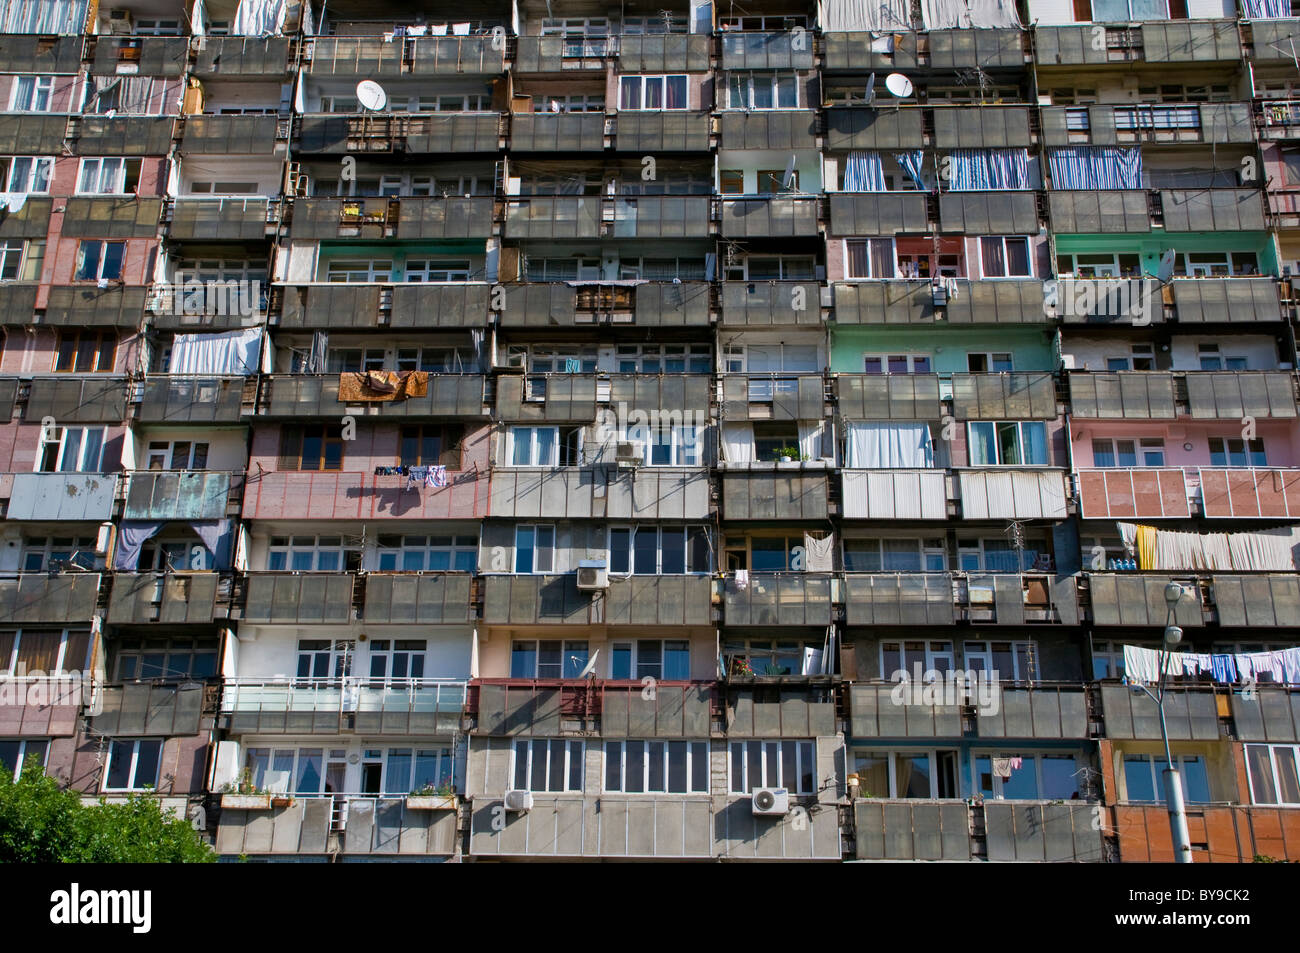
(371, 95)
(788, 178)
(1166, 269)
(871, 90)
(899, 85)
(590, 666)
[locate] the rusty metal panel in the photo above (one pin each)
(242, 56)
(62, 496)
(33, 134)
(664, 53)
(888, 397)
(40, 597)
(989, 212)
(456, 55)
(779, 599)
(899, 599)
(304, 598)
(428, 599)
(674, 131)
(786, 130)
(198, 219)
(557, 132)
(771, 496)
(169, 399)
(177, 495)
(1005, 396)
(124, 136)
(77, 400)
(1114, 211)
(445, 217)
(463, 305)
(149, 55)
(858, 128)
(879, 213)
(335, 306)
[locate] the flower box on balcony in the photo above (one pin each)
(281, 800)
(246, 802)
(433, 802)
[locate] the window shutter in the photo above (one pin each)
(290, 447)
(1178, 9)
(74, 656)
(1082, 11)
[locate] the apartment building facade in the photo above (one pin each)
(573, 432)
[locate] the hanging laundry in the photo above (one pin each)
(365, 386)
(1002, 767)
(436, 477)
(1017, 764)
(415, 476)
(1291, 665)
(742, 580)
(1224, 668)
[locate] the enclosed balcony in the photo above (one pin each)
(1211, 123)
(664, 52)
(168, 598)
(574, 397)
(80, 306)
(61, 598)
(409, 305)
(298, 598)
(775, 217)
(121, 135)
(148, 708)
(879, 213)
(888, 396)
(327, 494)
(749, 50)
(427, 56)
(400, 218)
(765, 304)
(938, 49)
(667, 131)
(775, 396)
(648, 303)
(77, 399)
(139, 55)
(1163, 395)
(779, 599)
(1038, 711)
(1157, 41)
(918, 301)
(168, 398)
(33, 134)
(457, 134)
(775, 495)
(243, 57)
(60, 496)
(230, 219)
(397, 706)
(857, 127)
(614, 709)
(946, 598)
(367, 828)
(557, 132)
(1174, 210)
(1042, 831)
(631, 600)
(787, 130)
(598, 492)
(1179, 492)
(309, 395)
(33, 53)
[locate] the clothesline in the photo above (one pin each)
(1280, 666)
(434, 477)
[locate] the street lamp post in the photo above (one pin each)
(1172, 780)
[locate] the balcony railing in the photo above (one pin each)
(617, 709)
(1039, 710)
(257, 704)
(168, 398)
(60, 496)
(1163, 395)
(1172, 492)
(931, 598)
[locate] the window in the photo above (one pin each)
(657, 767)
(108, 176)
(561, 269)
(764, 657)
(312, 554)
(53, 554)
(344, 359)
(176, 455)
(668, 660)
(570, 103)
(397, 658)
(1118, 11)
(1144, 778)
(652, 92)
(1216, 264)
(72, 450)
(138, 659)
(548, 766)
(664, 358)
(896, 363)
(351, 271)
(658, 550)
(1008, 443)
(311, 447)
(768, 90)
(731, 182)
(773, 764)
(1005, 257)
(1141, 357)
(1235, 452)
(431, 445)
(1003, 661)
(1052, 777)
(30, 174)
(989, 362)
(132, 765)
(86, 352)
(908, 774)
(772, 268)
(1146, 452)
(895, 555)
(870, 258)
(301, 771)
(32, 94)
(437, 269)
(548, 658)
(36, 652)
(427, 553)
(1110, 265)
(545, 446)
(325, 658)
(1212, 360)
(932, 656)
(772, 181)
(534, 549)
(1271, 768)
(14, 754)
(1107, 657)
(407, 770)
(999, 555)
(765, 553)
(21, 259)
(669, 446)
(100, 261)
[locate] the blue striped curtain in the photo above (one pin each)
(1266, 9)
(989, 170)
(864, 173)
(911, 162)
(1096, 167)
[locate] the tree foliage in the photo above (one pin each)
(40, 822)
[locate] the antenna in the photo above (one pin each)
(1166, 270)
(871, 90)
(588, 670)
(788, 177)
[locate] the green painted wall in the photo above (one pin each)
(1031, 348)
(1150, 246)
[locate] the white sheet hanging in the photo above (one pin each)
(810, 438)
(965, 14)
(738, 442)
(819, 554)
(894, 446)
(259, 18)
(864, 16)
(237, 352)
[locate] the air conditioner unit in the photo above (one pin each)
(771, 801)
(120, 22)
(592, 574)
(627, 456)
(519, 800)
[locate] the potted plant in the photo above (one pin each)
(244, 795)
(789, 455)
(433, 797)
(740, 668)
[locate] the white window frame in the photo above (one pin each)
(59, 435)
(749, 81)
(37, 86)
(1029, 257)
(618, 750)
(636, 662)
(940, 656)
(460, 545)
(168, 449)
(576, 649)
(310, 544)
(1026, 757)
(1209, 351)
(1156, 765)
(989, 360)
(985, 654)
(646, 80)
(911, 358)
(340, 658)
(530, 435)
(660, 532)
(38, 168)
(133, 783)
(359, 271)
(1253, 445)
(1142, 446)
(890, 756)
(67, 547)
(1273, 768)
(539, 530)
(104, 166)
(24, 744)
(390, 653)
(804, 750)
(1020, 426)
(924, 546)
(437, 270)
(893, 258)
(572, 750)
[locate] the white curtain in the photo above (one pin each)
(237, 352)
(198, 19)
(810, 439)
(863, 16)
(259, 17)
(894, 446)
(819, 553)
(43, 16)
(964, 14)
(1269, 550)
(738, 442)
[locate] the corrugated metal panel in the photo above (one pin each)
(1012, 494)
(769, 496)
(242, 56)
(912, 830)
(898, 599)
(309, 597)
(1213, 210)
(895, 494)
(77, 400)
(62, 496)
(1123, 211)
(867, 128)
(177, 495)
(786, 130)
(662, 131)
(782, 599)
(888, 397)
(557, 132)
(40, 597)
(989, 212)
(124, 136)
(1141, 395)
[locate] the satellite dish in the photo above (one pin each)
(371, 95)
(1166, 270)
(590, 666)
(871, 90)
(788, 178)
(899, 85)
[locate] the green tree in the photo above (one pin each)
(41, 822)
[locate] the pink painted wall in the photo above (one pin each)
(1281, 439)
(33, 350)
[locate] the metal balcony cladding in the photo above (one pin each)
(666, 432)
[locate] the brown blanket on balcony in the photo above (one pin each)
(362, 386)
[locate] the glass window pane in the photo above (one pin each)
(1139, 779)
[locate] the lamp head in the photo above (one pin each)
(1173, 635)
(1173, 593)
